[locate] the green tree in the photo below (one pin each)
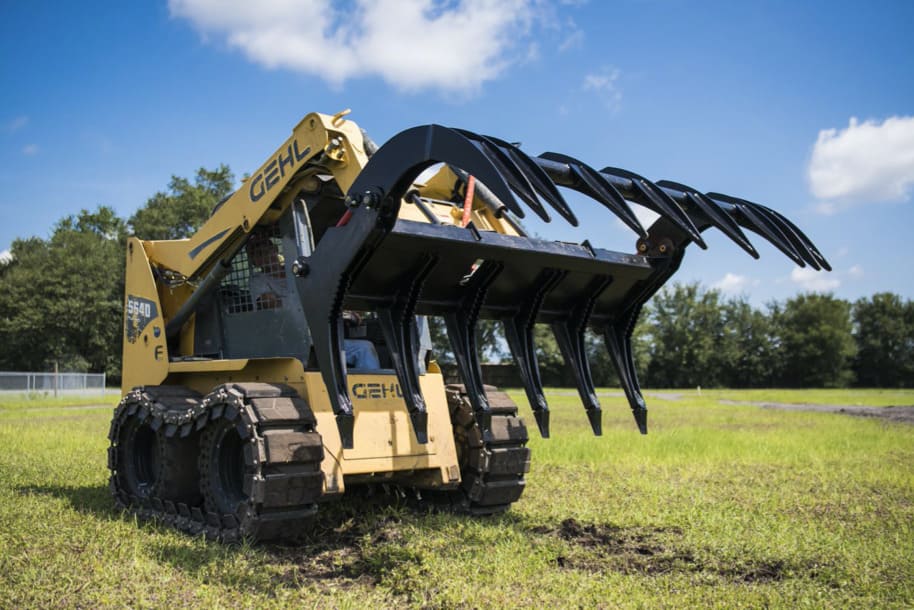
(61, 298)
(884, 332)
(690, 343)
(748, 356)
(184, 207)
(816, 344)
(489, 340)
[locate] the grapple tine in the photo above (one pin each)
(461, 330)
(715, 216)
(785, 229)
(569, 333)
(539, 179)
(512, 174)
(592, 184)
(519, 334)
(801, 238)
(618, 341)
(756, 219)
(397, 321)
(661, 203)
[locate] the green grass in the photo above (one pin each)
(857, 397)
(719, 506)
(31, 400)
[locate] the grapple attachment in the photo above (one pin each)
(401, 268)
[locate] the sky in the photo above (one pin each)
(806, 107)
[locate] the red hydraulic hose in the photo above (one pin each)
(468, 200)
(344, 219)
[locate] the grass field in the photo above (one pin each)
(719, 506)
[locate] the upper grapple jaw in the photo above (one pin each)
(712, 214)
(588, 181)
(653, 197)
(402, 268)
(540, 180)
(777, 229)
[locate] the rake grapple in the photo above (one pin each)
(401, 268)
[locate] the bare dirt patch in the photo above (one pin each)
(355, 543)
(899, 414)
(649, 551)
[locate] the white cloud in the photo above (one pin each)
(16, 124)
(6, 256)
(412, 44)
(732, 283)
(809, 279)
(574, 39)
(603, 83)
(855, 272)
(865, 163)
(30, 150)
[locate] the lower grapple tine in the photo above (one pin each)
(519, 334)
(461, 330)
(618, 341)
(397, 322)
(327, 342)
(569, 334)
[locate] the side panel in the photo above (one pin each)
(145, 352)
(384, 441)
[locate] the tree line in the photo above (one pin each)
(61, 300)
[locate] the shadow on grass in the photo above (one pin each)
(364, 541)
(353, 542)
(93, 500)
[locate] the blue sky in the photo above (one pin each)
(807, 107)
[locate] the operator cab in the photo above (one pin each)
(257, 310)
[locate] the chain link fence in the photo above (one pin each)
(52, 384)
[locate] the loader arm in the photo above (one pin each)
(319, 144)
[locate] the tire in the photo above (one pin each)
(493, 465)
(150, 459)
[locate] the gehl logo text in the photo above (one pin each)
(377, 390)
(264, 180)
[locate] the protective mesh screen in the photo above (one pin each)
(259, 262)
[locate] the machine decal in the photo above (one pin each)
(140, 312)
(276, 168)
(377, 390)
(193, 253)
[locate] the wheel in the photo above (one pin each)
(149, 458)
(259, 462)
(223, 466)
(492, 466)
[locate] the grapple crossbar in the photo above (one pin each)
(402, 268)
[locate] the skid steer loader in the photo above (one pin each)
(239, 418)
